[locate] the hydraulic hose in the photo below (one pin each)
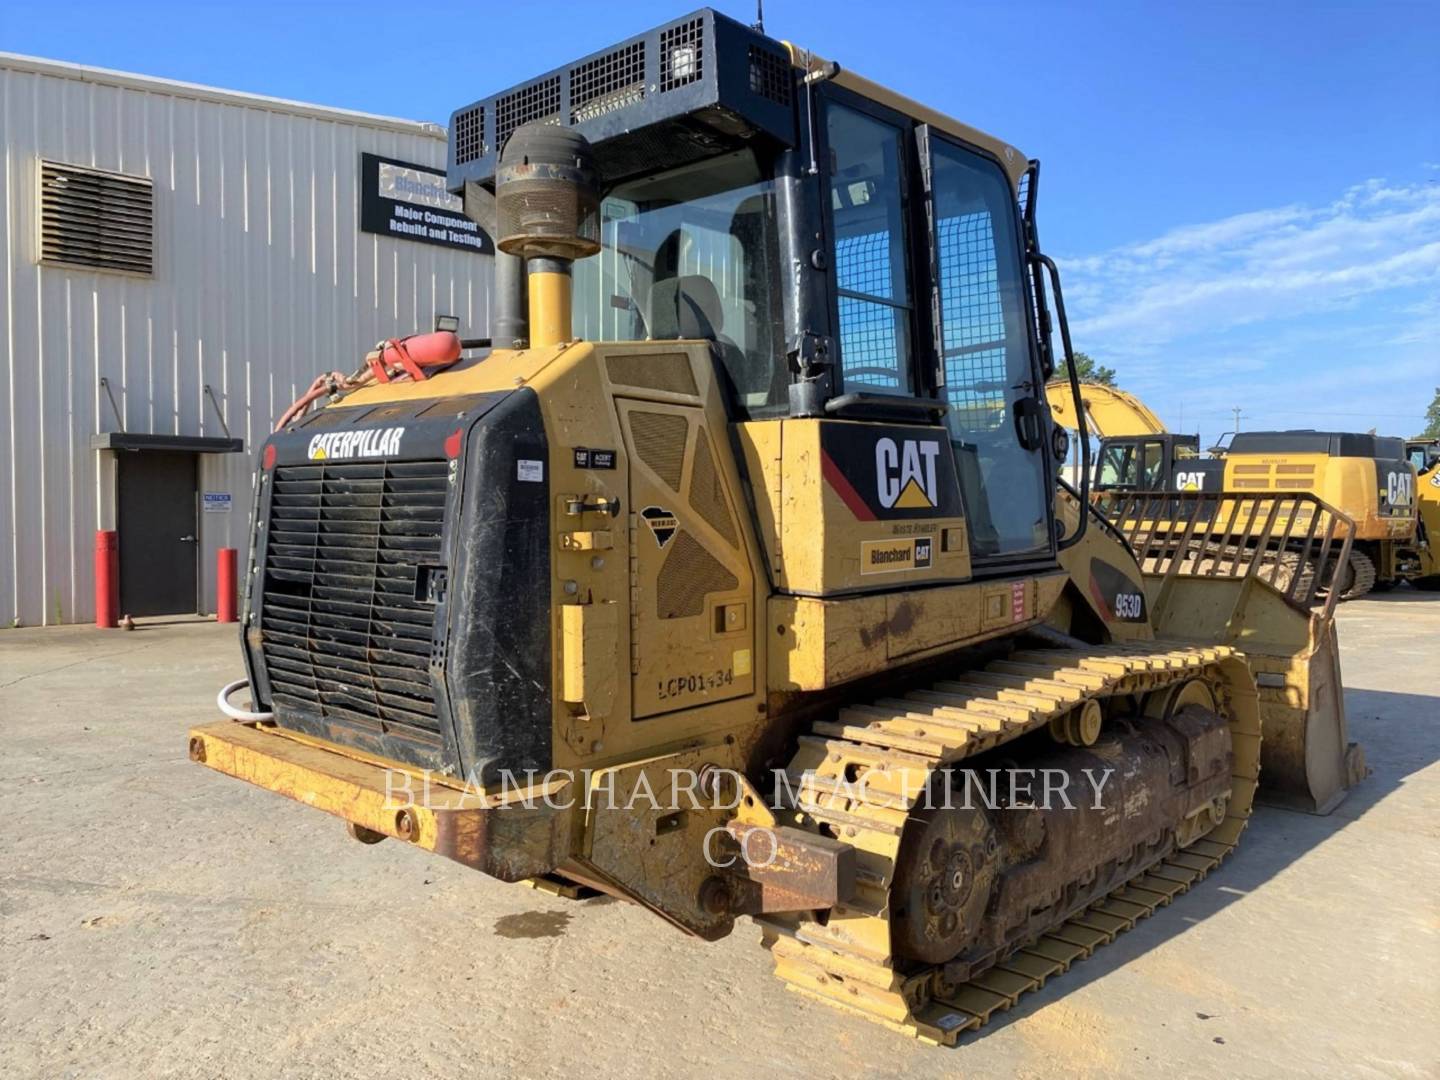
(243, 715)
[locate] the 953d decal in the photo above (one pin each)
(1118, 598)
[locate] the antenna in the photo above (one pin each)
(759, 25)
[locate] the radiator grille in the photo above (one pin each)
(97, 220)
(538, 101)
(707, 492)
(770, 75)
(682, 54)
(687, 576)
(608, 82)
(469, 135)
(660, 443)
(342, 632)
(669, 372)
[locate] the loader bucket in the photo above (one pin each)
(1247, 570)
(1305, 761)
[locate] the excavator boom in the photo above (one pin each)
(1109, 411)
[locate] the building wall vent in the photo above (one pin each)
(96, 220)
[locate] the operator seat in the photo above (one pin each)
(689, 307)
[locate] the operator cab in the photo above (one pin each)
(849, 253)
(1162, 462)
(1424, 454)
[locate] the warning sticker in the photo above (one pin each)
(587, 458)
(532, 472)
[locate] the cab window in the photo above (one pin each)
(1154, 467)
(985, 358)
(867, 208)
(1115, 465)
(692, 253)
(1135, 466)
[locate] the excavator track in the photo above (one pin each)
(1362, 576)
(845, 957)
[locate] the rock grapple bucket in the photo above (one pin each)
(1251, 570)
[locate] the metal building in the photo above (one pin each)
(179, 263)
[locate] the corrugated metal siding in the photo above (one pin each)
(262, 280)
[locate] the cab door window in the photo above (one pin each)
(1153, 476)
(1115, 470)
(872, 284)
(986, 365)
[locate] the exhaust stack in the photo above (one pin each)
(547, 207)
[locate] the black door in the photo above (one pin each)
(156, 520)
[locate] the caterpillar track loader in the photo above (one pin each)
(756, 485)
(1364, 477)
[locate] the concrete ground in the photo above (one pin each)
(158, 919)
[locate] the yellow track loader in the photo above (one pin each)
(732, 576)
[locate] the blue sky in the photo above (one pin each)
(1244, 198)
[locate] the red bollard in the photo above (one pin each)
(225, 585)
(107, 579)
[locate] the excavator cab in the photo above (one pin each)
(1159, 462)
(1424, 454)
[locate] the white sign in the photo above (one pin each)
(532, 472)
(216, 502)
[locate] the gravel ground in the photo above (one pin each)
(157, 919)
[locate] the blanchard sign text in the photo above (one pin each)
(409, 201)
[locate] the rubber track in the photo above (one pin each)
(846, 961)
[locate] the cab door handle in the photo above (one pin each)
(1028, 426)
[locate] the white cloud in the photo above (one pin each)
(1374, 246)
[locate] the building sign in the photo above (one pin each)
(410, 202)
(216, 502)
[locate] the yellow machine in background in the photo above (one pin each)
(1365, 477)
(1137, 453)
(1424, 456)
(729, 499)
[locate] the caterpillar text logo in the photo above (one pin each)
(1399, 488)
(905, 473)
(340, 445)
(1190, 481)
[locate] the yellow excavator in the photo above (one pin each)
(1365, 477)
(1424, 457)
(732, 575)
(1137, 452)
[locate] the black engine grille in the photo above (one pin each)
(343, 636)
